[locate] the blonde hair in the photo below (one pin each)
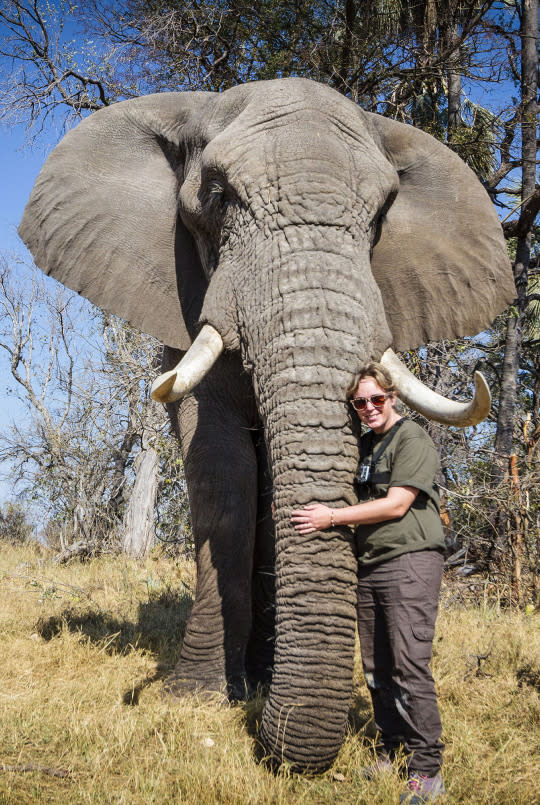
(377, 371)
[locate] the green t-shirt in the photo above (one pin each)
(409, 458)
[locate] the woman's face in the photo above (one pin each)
(378, 418)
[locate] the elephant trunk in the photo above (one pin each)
(305, 716)
(306, 713)
(308, 348)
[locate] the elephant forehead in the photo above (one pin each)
(302, 149)
(292, 133)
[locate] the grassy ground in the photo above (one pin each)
(84, 648)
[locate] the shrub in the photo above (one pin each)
(14, 526)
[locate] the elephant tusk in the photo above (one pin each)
(197, 361)
(432, 405)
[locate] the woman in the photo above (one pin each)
(400, 555)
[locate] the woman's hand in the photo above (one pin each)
(314, 517)
(317, 517)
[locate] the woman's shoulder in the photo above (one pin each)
(410, 430)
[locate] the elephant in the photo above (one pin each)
(276, 236)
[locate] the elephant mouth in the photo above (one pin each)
(208, 346)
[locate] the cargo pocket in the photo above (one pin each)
(423, 632)
(422, 643)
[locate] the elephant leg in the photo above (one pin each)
(260, 652)
(216, 432)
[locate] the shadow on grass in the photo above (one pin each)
(252, 708)
(159, 629)
(361, 716)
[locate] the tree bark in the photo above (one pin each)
(529, 81)
(138, 525)
(454, 81)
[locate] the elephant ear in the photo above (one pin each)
(440, 261)
(102, 217)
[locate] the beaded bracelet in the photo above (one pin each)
(332, 524)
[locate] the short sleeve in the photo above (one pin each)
(416, 463)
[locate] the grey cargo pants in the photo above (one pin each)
(397, 609)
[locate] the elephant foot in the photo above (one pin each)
(223, 690)
(178, 686)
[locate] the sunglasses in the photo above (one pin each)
(377, 400)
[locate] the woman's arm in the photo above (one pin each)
(318, 517)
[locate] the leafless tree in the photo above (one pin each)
(86, 430)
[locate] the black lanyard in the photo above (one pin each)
(363, 477)
(384, 444)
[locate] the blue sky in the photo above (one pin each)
(19, 168)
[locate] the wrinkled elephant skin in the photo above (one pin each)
(312, 236)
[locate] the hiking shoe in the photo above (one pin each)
(382, 765)
(423, 789)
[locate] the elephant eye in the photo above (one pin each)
(215, 188)
(218, 194)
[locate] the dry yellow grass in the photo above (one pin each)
(83, 650)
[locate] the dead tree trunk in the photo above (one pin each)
(138, 524)
(529, 110)
(453, 78)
